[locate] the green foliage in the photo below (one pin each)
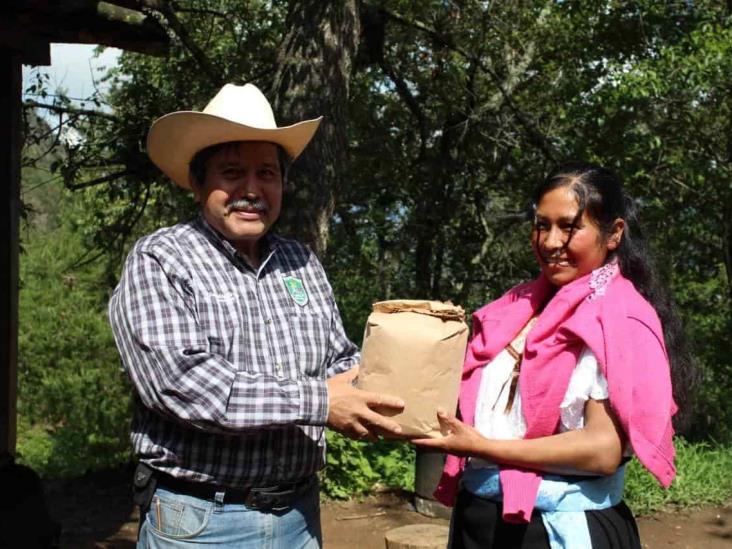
(354, 468)
(666, 119)
(35, 447)
(705, 305)
(344, 458)
(73, 403)
(702, 479)
(394, 463)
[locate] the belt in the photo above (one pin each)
(269, 498)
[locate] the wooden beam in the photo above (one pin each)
(33, 50)
(18, 37)
(85, 22)
(10, 139)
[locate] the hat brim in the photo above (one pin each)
(174, 139)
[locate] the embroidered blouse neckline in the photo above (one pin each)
(601, 278)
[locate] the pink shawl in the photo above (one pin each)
(603, 311)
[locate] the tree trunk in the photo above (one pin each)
(433, 211)
(727, 244)
(727, 213)
(425, 232)
(313, 70)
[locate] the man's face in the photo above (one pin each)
(241, 196)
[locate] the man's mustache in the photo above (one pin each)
(246, 204)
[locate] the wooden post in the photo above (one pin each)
(10, 139)
(427, 473)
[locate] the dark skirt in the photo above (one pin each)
(476, 524)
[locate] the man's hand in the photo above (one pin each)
(350, 410)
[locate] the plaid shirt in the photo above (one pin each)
(229, 362)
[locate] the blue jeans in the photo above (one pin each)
(175, 521)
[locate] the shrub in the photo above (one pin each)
(73, 402)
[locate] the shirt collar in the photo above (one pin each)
(268, 244)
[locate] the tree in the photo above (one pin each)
(312, 78)
(73, 402)
(670, 115)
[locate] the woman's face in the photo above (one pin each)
(563, 259)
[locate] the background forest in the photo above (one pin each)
(441, 116)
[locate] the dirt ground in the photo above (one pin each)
(96, 512)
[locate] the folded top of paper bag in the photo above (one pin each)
(444, 310)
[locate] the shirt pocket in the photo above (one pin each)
(219, 320)
(311, 343)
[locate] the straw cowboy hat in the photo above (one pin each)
(237, 113)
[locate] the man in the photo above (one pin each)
(233, 342)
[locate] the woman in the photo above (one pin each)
(566, 377)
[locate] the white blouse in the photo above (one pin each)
(492, 421)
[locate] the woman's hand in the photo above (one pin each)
(460, 438)
(596, 449)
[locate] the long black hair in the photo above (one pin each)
(600, 193)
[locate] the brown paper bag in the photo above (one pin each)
(414, 350)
